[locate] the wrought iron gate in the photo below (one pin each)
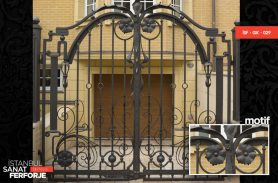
(140, 134)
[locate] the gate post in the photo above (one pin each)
(236, 75)
(219, 89)
(36, 69)
(137, 6)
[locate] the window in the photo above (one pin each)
(147, 3)
(128, 3)
(90, 5)
(48, 79)
(177, 4)
(125, 3)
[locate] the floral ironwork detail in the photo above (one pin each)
(65, 158)
(148, 25)
(126, 25)
(215, 154)
(245, 154)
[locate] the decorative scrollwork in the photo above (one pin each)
(215, 154)
(245, 154)
(125, 149)
(194, 103)
(177, 116)
(87, 154)
(207, 117)
(182, 153)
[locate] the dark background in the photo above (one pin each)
(15, 83)
(259, 79)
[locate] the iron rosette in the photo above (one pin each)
(215, 154)
(245, 154)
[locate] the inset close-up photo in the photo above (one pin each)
(229, 149)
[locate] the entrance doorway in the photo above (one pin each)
(126, 129)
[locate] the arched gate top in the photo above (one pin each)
(137, 18)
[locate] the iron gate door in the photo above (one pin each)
(133, 128)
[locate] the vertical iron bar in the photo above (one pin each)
(36, 69)
(208, 86)
(100, 85)
(137, 91)
(161, 92)
(263, 157)
(219, 89)
(161, 86)
(124, 150)
(197, 158)
(89, 85)
(207, 80)
(196, 84)
(173, 86)
(77, 107)
(213, 22)
(230, 155)
(236, 76)
(229, 82)
(112, 93)
(237, 68)
(65, 105)
(43, 100)
(149, 102)
(184, 98)
(53, 93)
